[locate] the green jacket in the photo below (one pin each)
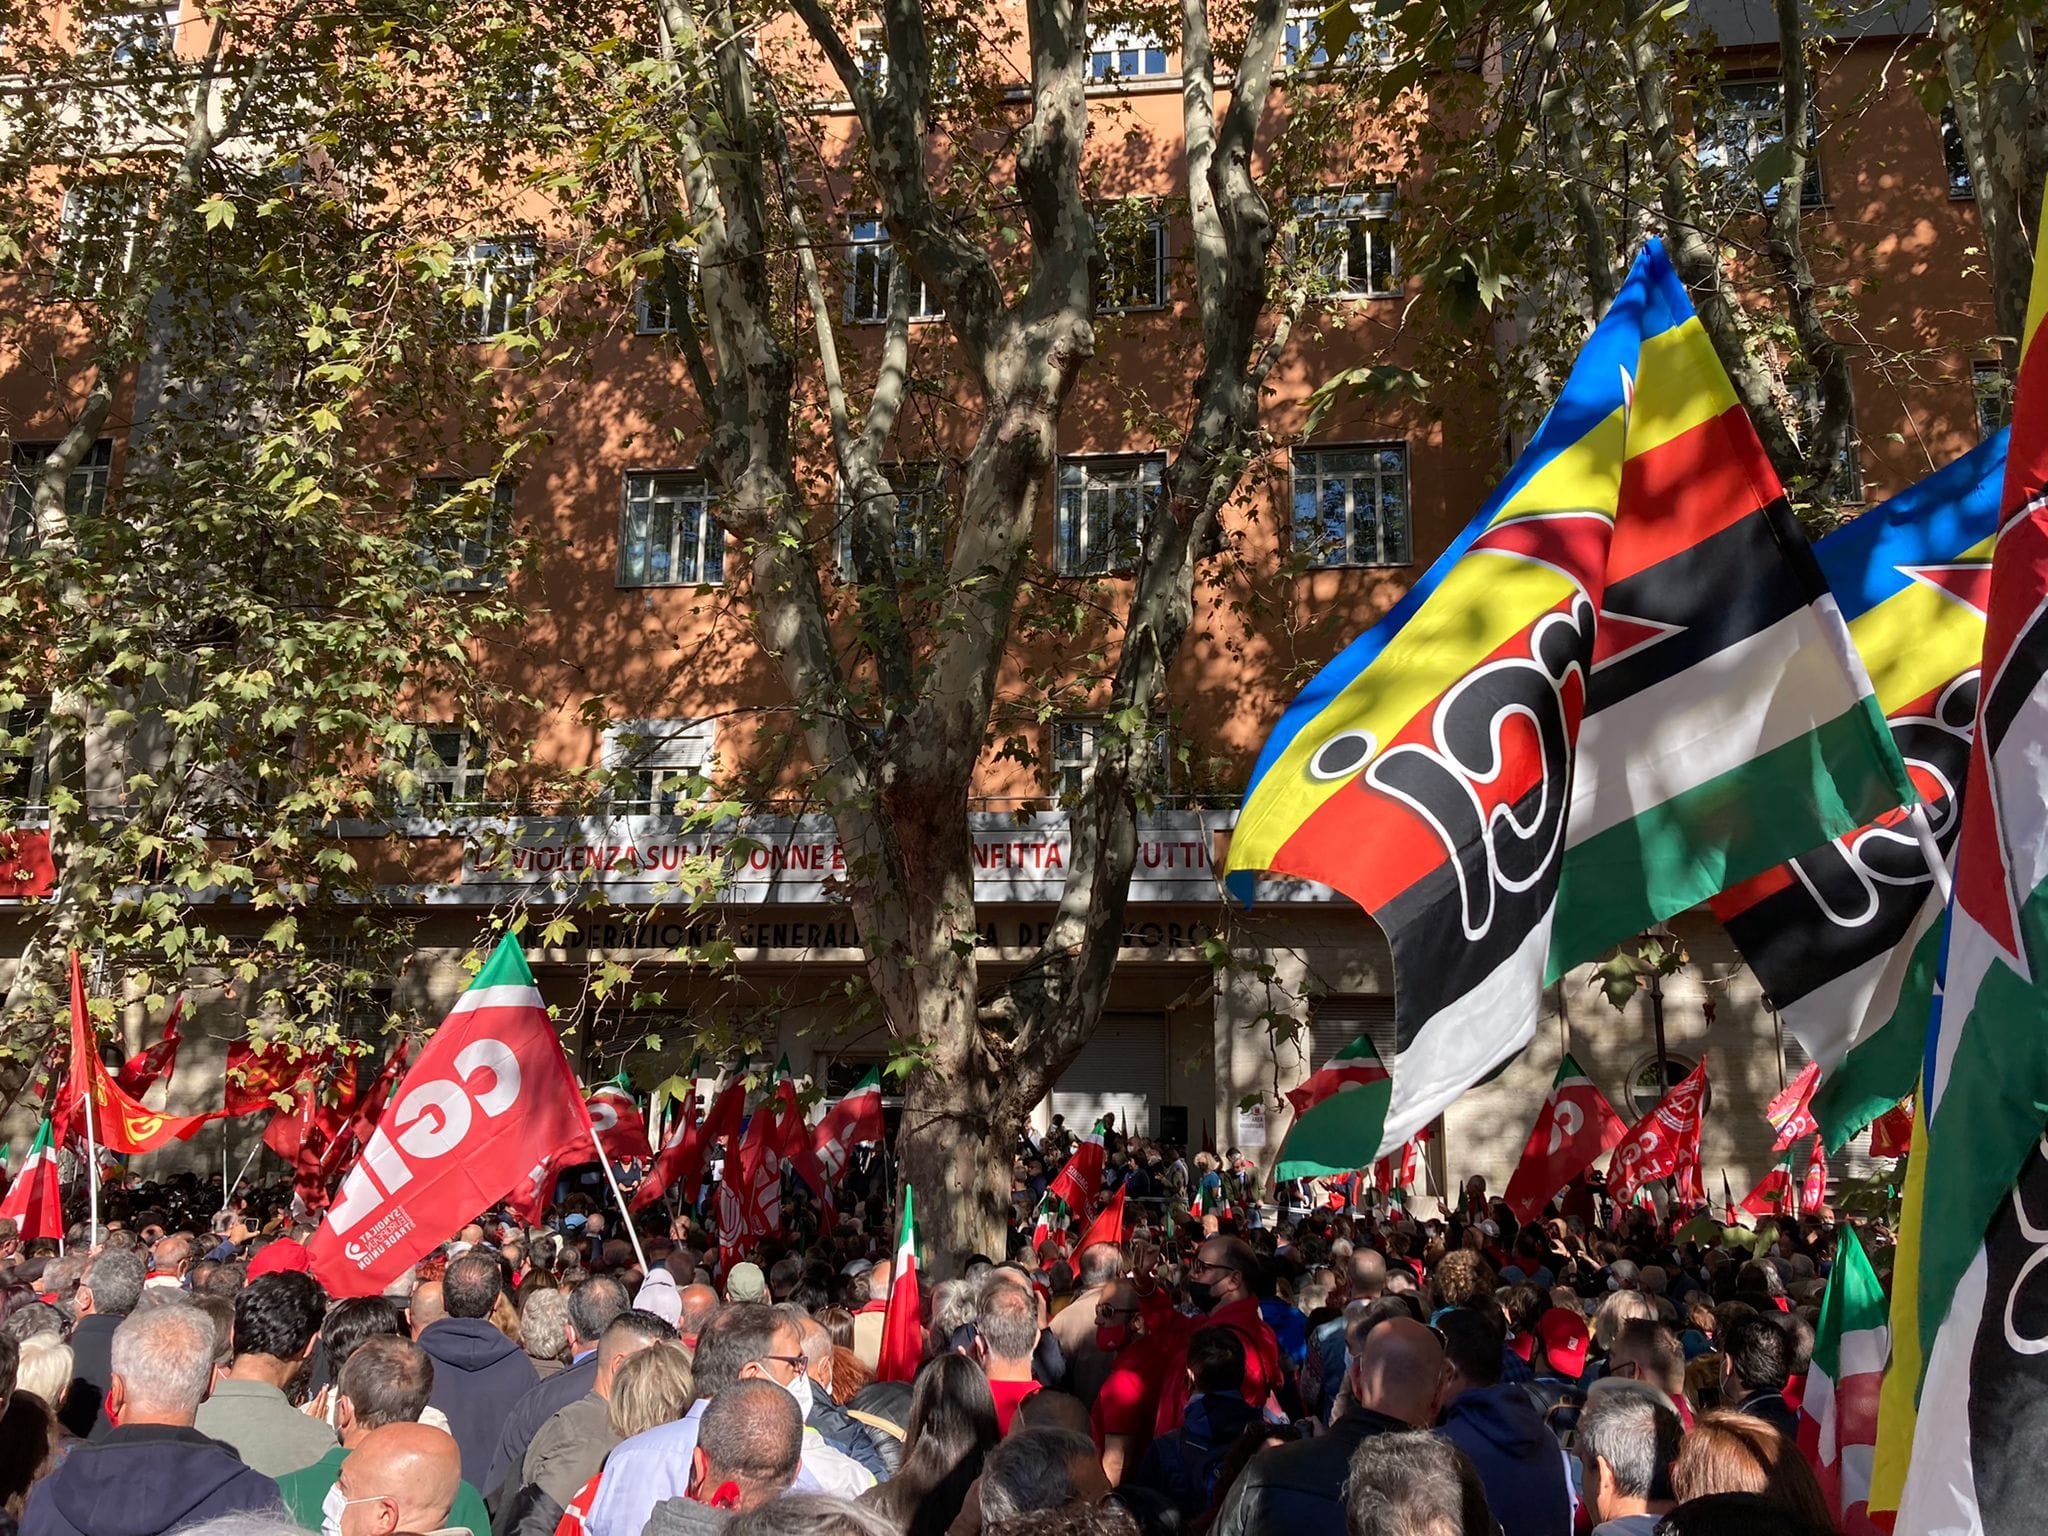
(306, 1490)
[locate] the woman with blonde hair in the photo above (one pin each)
(1739, 1453)
(651, 1388)
(1615, 1309)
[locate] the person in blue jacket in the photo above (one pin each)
(1521, 1464)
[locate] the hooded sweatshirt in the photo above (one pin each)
(143, 1480)
(1521, 1465)
(479, 1375)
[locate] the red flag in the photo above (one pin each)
(1891, 1133)
(322, 1099)
(1773, 1196)
(142, 1070)
(1388, 1177)
(259, 1069)
(621, 1129)
(362, 1120)
(903, 1317)
(1071, 1195)
(750, 1194)
(853, 1120)
(1575, 1125)
(687, 1151)
(34, 1200)
(489, 1100)
(1108, 1225)
(1728, 1202)
(119, 1124)
(1813, 1191)
(1789, 1113)
(793, 1145)
(1655, 1145)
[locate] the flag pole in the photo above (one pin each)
(228, 1199)
(1924, 834)
(625, 1215)
(92, 1173)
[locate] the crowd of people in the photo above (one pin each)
(1237, 1370)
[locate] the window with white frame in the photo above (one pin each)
(654, 312)
(1351, 504)
(24, 759)
(671, 536)
(659, 767)
(85, 492)
(1103, 507)
(1735, 125)
(1351, 237)
(1305, 36)
(448, 766)
(465, 551)
(1993, 390)
(871, 262)
(871, 53)
(1133, 262)
(497, 279)
(1845, 482)
(1075, 742)
(1955, 155)
(99, 235)
(1125, 53)
(923, 518)
(126, 33)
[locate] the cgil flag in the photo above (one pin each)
(1788, 1111)
(750, 1193)
(854, 1119)
(1109, 1225)
(1070, 1197)
(1575, 1125)
(488, 1103)
(1838, 1414)
(1623, 688)
(1967, 1390)
(35, 1200)
(1813, 1189)
(621, 1131)
(1663, 1141)
(1339, 1114)
(1844, 938)
(903, 1318)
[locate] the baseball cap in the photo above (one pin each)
(281, 1257)
(1564, 1337)
(745, 1283)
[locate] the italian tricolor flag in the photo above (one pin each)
(903, 1319)
(1838, 1418)
(1339, 1114)
(34, 1200)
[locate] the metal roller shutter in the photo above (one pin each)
(1121, 1071)
(1335, 1021)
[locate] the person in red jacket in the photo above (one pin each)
(1219, 1282)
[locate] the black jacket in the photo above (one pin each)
(540, 1404)
(1772, 1408)
(92, 1372)
(875, 1449)
(1291, 1489)
(479, 1378)
(143, 1480)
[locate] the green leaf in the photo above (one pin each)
(219, 211)
(1770, 168)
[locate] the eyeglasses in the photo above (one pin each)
(794, 1362)
(1104, 1310)
(1203, 1266)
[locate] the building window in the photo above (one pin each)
(1736, 126)
(465, 553)
(127, 33)
(923, 518)
(1074, 745)
(870, 263)
(24, 758)
(1303, 39)
(659, 767)
(85, 493)
(671, 536)
(1646, 1087)
(1125, 53)
(871, 53)
(99, 235)
(1955, 156)
(1351, 504)
(448, 765)
(497, 286)
(1133, 264)
(1351, 236)
(1103, 505)
(1845, 482)
(653, 309)
(1994, 398)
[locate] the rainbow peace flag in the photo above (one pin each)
(1844, 939)
(1623, 688)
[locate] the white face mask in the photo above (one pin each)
(330, 1511)
(800, 1389)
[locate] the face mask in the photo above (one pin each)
(800, 1389)
(1111, 1337)
(1202, 1294)
(330, 1512)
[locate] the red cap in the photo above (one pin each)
(1564, 1337)
(280, 1257)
